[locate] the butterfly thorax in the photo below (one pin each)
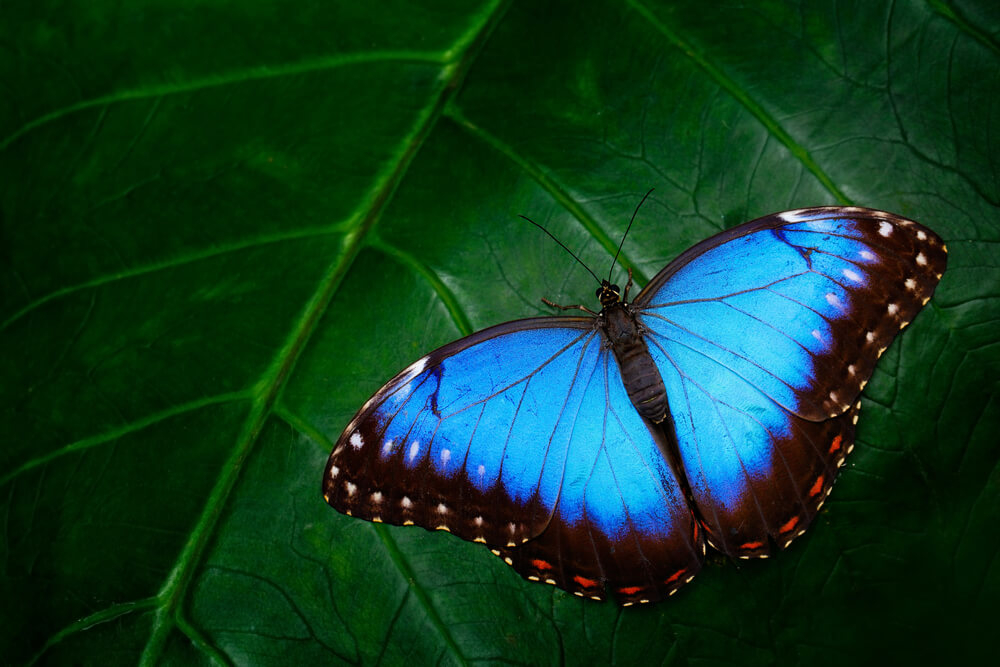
(623, 333)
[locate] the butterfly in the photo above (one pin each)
(603, 453)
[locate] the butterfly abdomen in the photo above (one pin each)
(638, 370)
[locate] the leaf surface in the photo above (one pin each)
(224, 225)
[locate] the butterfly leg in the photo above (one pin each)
(574, 307)
(628, 286)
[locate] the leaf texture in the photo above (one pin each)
(224, 225)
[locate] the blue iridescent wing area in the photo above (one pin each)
(522, 437)
(765, 336)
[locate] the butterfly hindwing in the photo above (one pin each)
(758, 473)
(765, 335)
(522, 437)
(622, 518)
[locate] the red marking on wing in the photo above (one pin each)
(630, 590)
(835, 445)
(751, 545)
(541, 564)
(584, 581)
(817, 487)
(788, 525)
(675, 576)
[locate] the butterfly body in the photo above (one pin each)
(604, 453)
(624, 335)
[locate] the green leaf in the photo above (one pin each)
(223, 225)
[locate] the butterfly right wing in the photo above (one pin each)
(764, 336)
(521, 437)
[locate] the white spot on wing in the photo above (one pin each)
(870, 336)
(921, 235)
(798, 215)
(884, 229)
(866, 254)
(406, 502)
(356, 440)
(351, 488)
(911, 284)
(334, 471)
(921, 259)
(387, 447)
(442, 508)
(832, 299)
(415, 369)
(414, 449)
(445, 456)
(852, 275)
(481, 470)
(893, 309)
(817, 335)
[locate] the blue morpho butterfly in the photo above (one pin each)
(602, 453)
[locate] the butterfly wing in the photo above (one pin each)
(765, 335)
(522, 437)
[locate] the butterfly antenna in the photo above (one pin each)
(563, 247)
(626, 232)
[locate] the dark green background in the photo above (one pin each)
(224, 224)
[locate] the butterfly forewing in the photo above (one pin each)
(447, 444)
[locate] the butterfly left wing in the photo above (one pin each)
(522, 437)
(765, 335)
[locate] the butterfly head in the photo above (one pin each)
(608, 293)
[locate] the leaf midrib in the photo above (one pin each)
(273, 381)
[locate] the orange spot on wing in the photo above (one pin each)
(541, 564)
(835, 445)
(630, 590)
(675, 576)
(817, 487)
(584, 581)
(788, 525)
(751, 545)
